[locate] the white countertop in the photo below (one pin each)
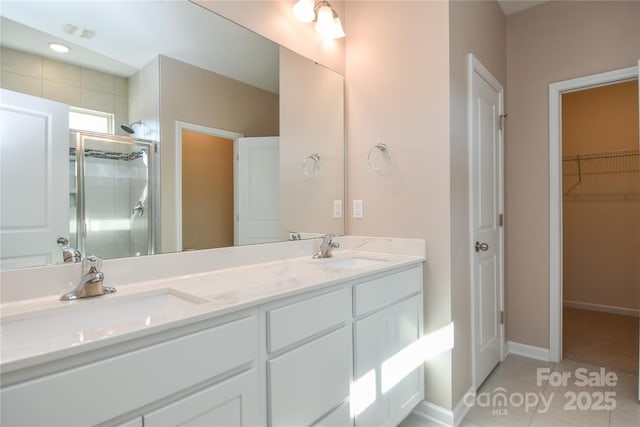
(213, 293)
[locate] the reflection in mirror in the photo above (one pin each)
(223, 128)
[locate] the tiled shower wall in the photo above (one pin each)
(112, 189)
(70, 84)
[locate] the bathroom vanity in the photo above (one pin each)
(279, 339)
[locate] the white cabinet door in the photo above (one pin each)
(231, 403)
(409, 390)
(372, 347)
(378, 338)
(308, 382)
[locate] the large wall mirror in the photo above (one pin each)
(228, 138)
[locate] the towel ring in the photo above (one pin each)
(384, 149)
(311, 165)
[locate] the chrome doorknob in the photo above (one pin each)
(481, 247)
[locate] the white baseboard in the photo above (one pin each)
(434, 413)
(526, 350)
(442, 416)
(601, 308)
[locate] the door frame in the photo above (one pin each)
(205, 130)
(475, 66)
(555, 191)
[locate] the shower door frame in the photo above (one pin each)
(81, 223)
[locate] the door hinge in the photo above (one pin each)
(502, 317)
(501, 118)
(155, 148)
(501, 220)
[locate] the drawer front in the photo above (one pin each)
(306, 383)
(295, 322)
(103, 390)
(386, 290)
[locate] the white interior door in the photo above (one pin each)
(34, 179)
(486, 219)
(257, 190)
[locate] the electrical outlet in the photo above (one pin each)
(357, 209)
(337, 208)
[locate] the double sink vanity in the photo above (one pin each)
(247, 336)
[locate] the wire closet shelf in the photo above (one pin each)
(620, 168)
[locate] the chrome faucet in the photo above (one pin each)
(69, 254)
(91, 282)
(326, 247)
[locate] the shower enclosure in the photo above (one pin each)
(110, 195)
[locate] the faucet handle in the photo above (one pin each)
(327, 239)
(91, 264)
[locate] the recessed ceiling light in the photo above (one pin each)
(60, 48)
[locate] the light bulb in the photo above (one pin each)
(336, 29)
(324, 25)
(59, 47)
(303, 11)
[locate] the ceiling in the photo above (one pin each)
(509, 7)
(129, 34)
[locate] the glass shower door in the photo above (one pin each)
(113, 197)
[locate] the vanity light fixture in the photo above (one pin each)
(326, 18)
(59, 47)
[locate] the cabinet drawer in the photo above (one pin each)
(294, 322)
(308, 382)
(386, 290)
(103, 390)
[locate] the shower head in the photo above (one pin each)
(128, 128)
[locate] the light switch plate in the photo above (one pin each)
(357, 209)
(337, 208)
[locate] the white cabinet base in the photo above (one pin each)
(231, 403)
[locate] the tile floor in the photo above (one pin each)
(551, 404)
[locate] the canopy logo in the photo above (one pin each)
(592, 398)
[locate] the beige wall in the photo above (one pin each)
(397, 73)
(144, 100)
(194, 95)
(601, 215)
(477, 27)
(70, 84)
(274, 19)
(600, 119)
(207, 191)
(312, 106)
(552, 42)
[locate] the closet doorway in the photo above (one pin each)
(601, 225)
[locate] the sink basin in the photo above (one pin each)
(352, 262)
(89, 319)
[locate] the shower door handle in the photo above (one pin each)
(138, 209)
